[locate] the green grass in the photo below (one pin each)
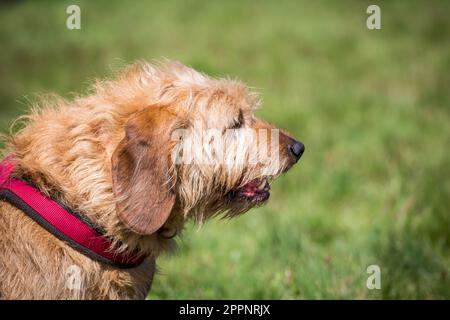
(372, 108)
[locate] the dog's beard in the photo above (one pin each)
(235, 202)
(229, 184)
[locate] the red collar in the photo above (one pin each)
(65, 225)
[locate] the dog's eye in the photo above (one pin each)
(239, 122)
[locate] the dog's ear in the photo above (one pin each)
(142, 180)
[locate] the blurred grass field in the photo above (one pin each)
(372, 108)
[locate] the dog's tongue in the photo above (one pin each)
(255, 187)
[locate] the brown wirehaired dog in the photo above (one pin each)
(111, 157)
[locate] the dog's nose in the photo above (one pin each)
(297, 149)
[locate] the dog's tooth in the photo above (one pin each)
(262, 185)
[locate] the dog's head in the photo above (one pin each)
(198, 151)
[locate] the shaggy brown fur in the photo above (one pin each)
(108, 156)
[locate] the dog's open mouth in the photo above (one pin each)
(256, 191)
